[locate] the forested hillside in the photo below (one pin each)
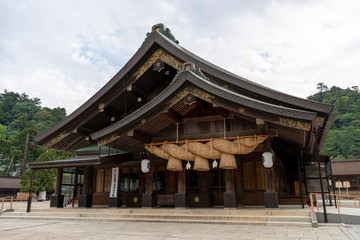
(20, 114)
(343, 140)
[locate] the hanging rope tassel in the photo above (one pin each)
(188, 166)
(214, 164)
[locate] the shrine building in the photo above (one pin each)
(171, 129)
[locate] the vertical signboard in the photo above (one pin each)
(114, 182)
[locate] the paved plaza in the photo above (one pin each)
(29, 229)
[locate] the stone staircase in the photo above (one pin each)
(250, 216)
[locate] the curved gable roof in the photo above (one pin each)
(160, 40)
(236, 80)
(185, 77)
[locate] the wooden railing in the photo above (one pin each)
(6, 200)
(338, 198)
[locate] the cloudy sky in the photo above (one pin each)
(65, 51)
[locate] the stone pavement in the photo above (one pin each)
(28, 230)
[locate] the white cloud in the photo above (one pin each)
(64, 51)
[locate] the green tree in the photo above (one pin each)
(44, 179)
(322, 87)
(20, 114)
(343, 140)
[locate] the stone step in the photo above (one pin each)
(221, 217)
(97, 219)
(251, 216)
(257, 212)
(258, 218)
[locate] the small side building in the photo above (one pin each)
(9, 186)
(346, 171)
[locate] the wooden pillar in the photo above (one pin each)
(238, 178)
(229, 178)
(270, 179)
(182, 181)
(149, 181)
(270, 195)
(300, 180)
(94, 180)
(57, 200)
(148, 198)
(230, 199)
(85, 199)
(59, 175)
(171, 182)
(86, 184)
(119, 183)
(180, 196)
(142, 182)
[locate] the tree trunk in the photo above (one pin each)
(11, 162)
(25, 153)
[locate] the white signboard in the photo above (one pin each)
(346, 184)
(114, 182)
(338, 184)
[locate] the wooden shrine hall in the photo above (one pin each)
(173, 130)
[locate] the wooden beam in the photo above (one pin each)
(291, 135)
(106, 111)
(136, 91)
(140, 135)
(223, 112)
(83, 131)
(55, 140)
(260, 122)
(314, 126)
(262, 125)
(328, 124)
(174, 115)
(294, 123)
(77, 140)
(108, 139)
(271, 118)
(209, 118)
(200, 103)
